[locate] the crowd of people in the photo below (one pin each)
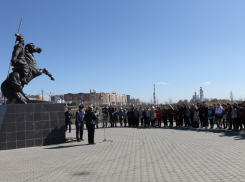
(201, 115)
(224, 116)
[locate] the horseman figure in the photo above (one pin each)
(25, 68)
(18, 58)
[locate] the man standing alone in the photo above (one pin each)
(68, 116)
(80, 123)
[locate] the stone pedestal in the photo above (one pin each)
(28, 125)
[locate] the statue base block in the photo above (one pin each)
(29, 125)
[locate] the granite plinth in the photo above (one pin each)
(30, 102)
(33, 124)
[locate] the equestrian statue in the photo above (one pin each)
(25, 68)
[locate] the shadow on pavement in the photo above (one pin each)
(82, 173)
(68, 146)
(223, 133)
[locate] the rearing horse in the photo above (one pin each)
(12, 87)
(34, 71)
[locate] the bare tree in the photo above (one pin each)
(205, 100)
(185, 101)
(231, 96)
(180, 101)
(133, 101)
(214, 100)
(170, 100)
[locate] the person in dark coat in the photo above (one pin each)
(200, 110)
(68, 116)
(239, 116)
(80, 123)
(90, 120)
(181, 116)
(105, 116)
(131, 117)
(205, 115)
(136, 117)
(115, 118)
(176, 115)
(170, 116)
(211, 116)
(165, 116)
(192, 116)
(187, 116)
(184, 114)
(111, 112)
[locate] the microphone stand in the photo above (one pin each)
(104, 118)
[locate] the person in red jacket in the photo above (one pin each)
(158, 116)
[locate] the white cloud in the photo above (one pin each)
(206, 83)
(160, 83)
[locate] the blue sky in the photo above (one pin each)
(127, 46)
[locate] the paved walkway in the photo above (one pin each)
(136, 154)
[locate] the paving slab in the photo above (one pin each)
(135, 154)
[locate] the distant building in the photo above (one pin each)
(128, 99)
(135, 102)
(96, 98)
(201, 94)
(35, 97)
(196, 98)
(138, 101)
(58, 98)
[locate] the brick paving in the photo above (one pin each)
(136, 154)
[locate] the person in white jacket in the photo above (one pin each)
(218, 113)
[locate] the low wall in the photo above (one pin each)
(28, 125)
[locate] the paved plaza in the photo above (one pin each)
(135, 154)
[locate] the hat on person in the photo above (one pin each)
(19, 36)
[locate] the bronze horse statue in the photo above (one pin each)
(12, 87)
